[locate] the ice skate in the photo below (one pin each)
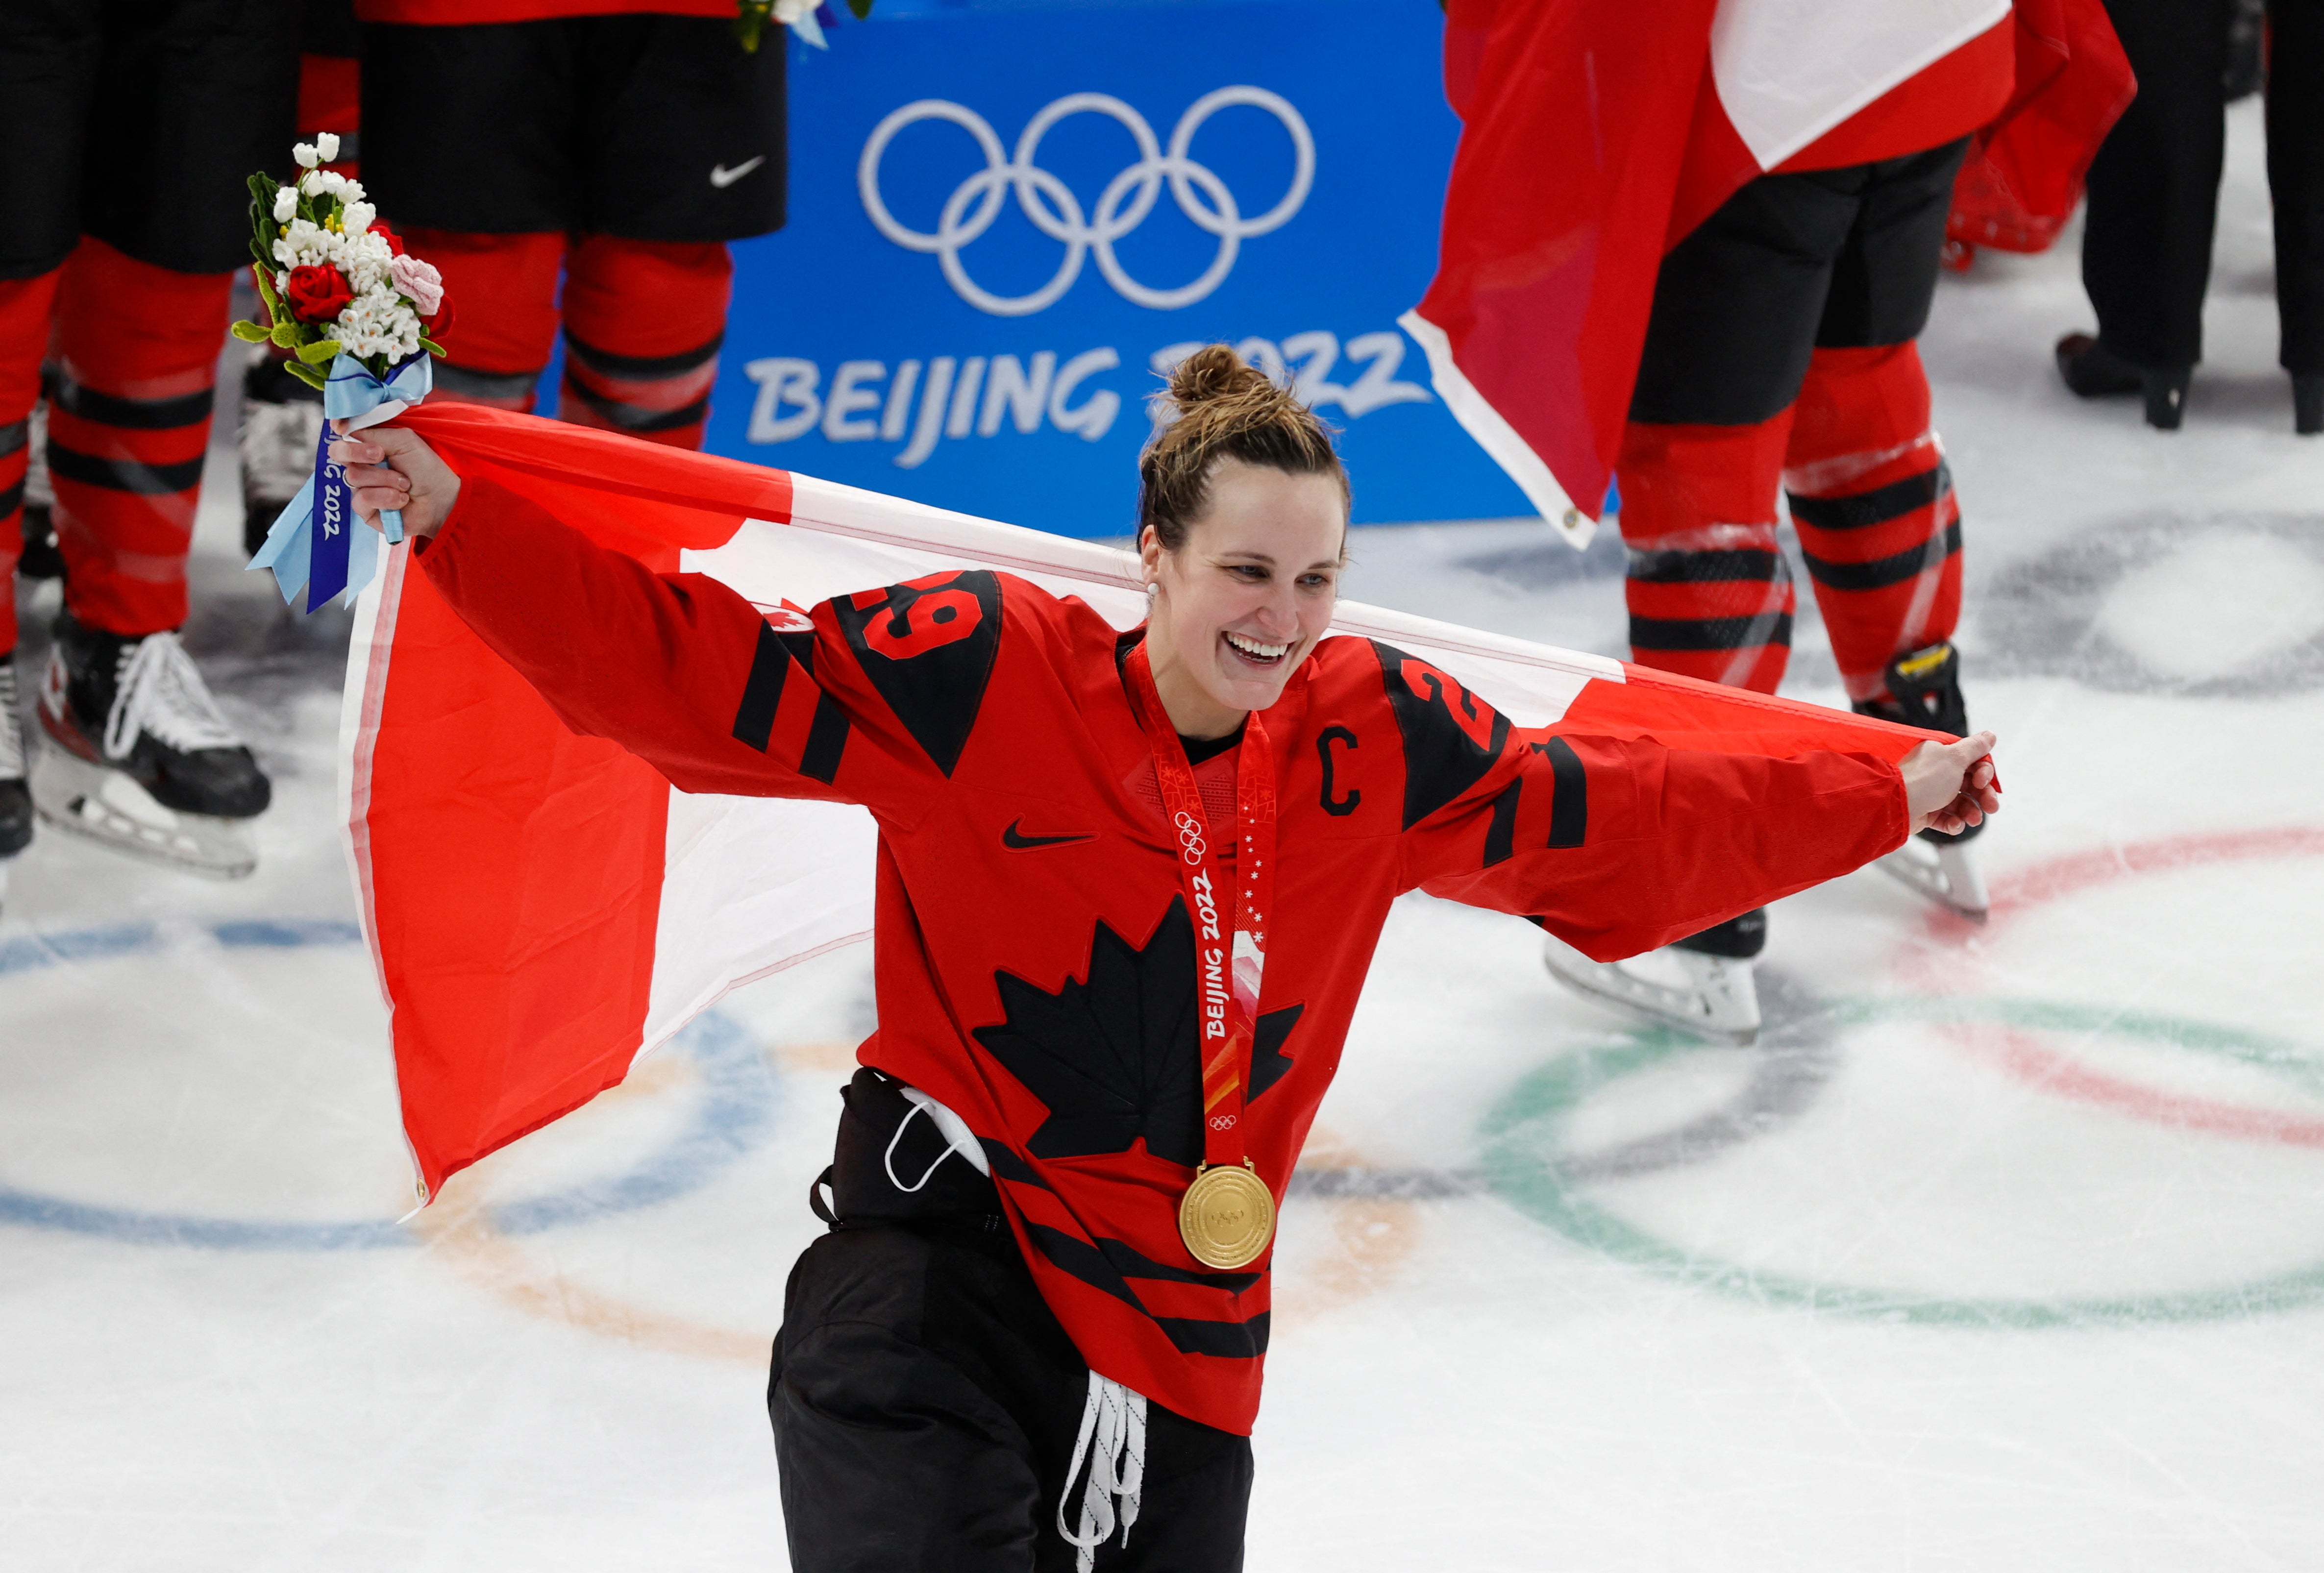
(1702, 984)
(138, 757)
(1925, 687)
(16, 798)
(282, 422)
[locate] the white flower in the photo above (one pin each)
(355, 217)
(789, 12)
(377, 322)
(286, 203)
(325, 183)
(307, 155)
(327, 144)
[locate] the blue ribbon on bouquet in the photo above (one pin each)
(316, 543)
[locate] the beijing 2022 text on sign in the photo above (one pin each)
(1008, 217)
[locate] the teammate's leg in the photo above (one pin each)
(504, 287)
(1734, 320)
(1872, 498)
(643, 321)
(24, 306)
(1871, 493)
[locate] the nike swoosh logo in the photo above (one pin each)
(1016, 839)
(722, 176)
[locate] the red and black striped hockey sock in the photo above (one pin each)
(1709, 593)
(503, 292)
(1872, 501)
(643, 321)
(129, 421)
(24, 306)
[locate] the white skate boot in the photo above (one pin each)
(1703, 984)
(138, 757)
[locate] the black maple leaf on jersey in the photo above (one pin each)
(1111, 1056)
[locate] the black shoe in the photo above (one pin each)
(138, 705)
(2092, 370)
(1738, 938)
(1924, 691)
(2307, 405)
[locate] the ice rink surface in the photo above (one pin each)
(2004, 1249)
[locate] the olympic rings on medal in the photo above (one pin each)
(1053, 209)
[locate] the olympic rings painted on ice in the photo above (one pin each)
(736, 1109)
(1053, 209)
(1524, 1137)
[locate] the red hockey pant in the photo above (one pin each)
(643, 321)
(1710, 595)
(135, 351)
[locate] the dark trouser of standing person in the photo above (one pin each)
(926, 1404)
(2153, 205)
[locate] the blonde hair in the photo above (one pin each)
(1219, 407)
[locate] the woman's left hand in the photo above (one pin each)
(1951, 786)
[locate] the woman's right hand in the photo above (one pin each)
(388, 467)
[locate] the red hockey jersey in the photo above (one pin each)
(1034, 961)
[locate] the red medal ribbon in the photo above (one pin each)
(1229, 926)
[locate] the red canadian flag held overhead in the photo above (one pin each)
(1596, 136)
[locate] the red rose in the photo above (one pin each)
(316, 294)
(441, 323)
(394, 241)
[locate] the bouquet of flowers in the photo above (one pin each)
(803, 18)
(359, 317)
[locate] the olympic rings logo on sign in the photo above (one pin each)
(1050, 204)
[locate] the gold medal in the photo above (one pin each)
(1227, 1217)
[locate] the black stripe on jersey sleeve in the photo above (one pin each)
(826, 739)
(1710, 633)
(770, 663)
(1878, 506)
(1882, 572)
(1568, 807)
(1501, 834)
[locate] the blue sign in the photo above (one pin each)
(1008, 219)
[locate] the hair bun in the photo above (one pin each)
(1210, 374)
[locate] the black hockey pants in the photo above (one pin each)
(2155, 185)
(925, 1401)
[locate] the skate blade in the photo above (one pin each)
(1722, 1005)
(1946, 875)
(105, 806)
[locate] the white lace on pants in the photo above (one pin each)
(1113, 1440)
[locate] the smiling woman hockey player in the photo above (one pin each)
(1033, 1337)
